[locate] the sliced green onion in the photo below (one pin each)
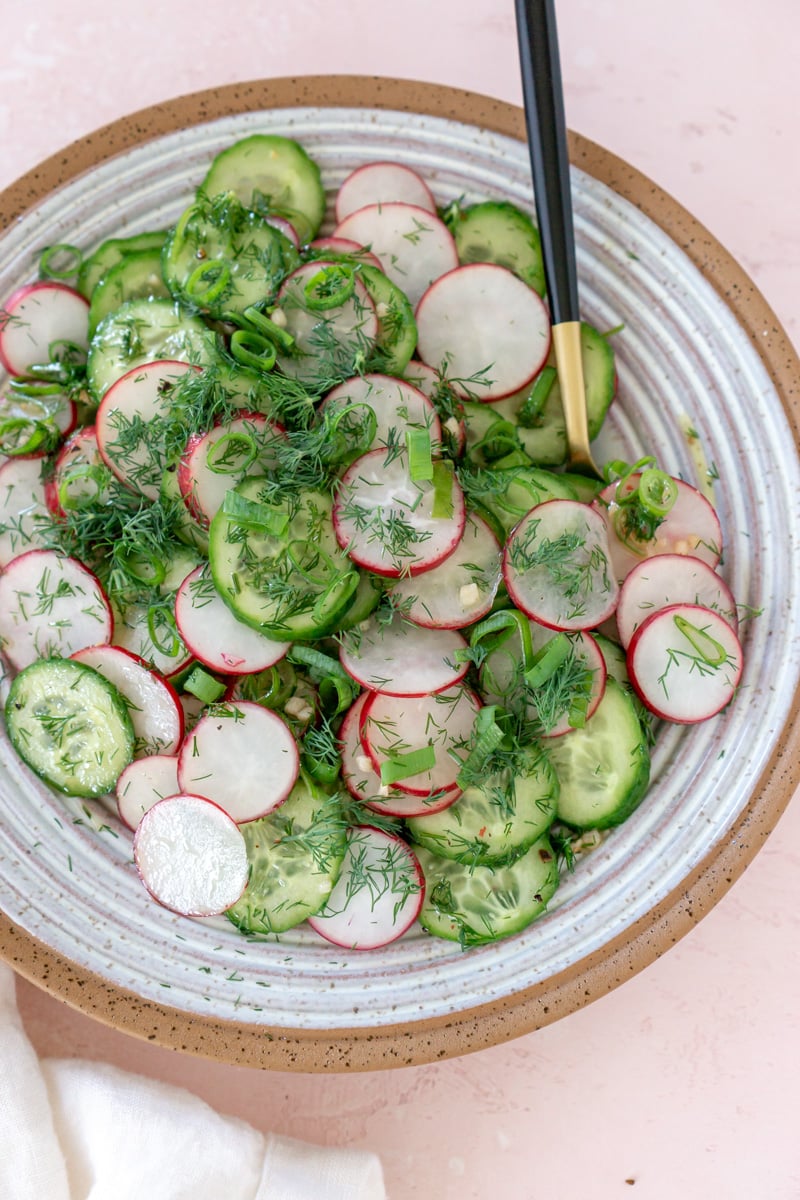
(329, 288)
(204, 686)
(497, 628)
(403, 766)
(499, 440)
(253, 514)
(321, 770)
(253, 350)
(143, 566)
(70, 260)
(547, 661)
(225, 456)
(336, 694)
(350, 441)
(159, 621)
(208, 282)
(420, 462)
(489, 735)
(32, 390)
(536, 399)
(442, 490)
(708, 648)
(92, 472)
(657, 491)
(43, 436)
(269, 328)
(270, 688)
(335, 597)
(319, 665)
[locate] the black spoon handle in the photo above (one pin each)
(547, 141)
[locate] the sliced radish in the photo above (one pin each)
(384, 519)
(153, 704)
(460, 590)
(413, 245)
(378, 895)
(350, 328)
(241, 756)
(60, 411)
(685, 663)
(127, 423)
(193, 709)
(214, 462)
(285, 227)
(396, 404)
(50, 606)
(485, 328)
(379, 183)
(392, 727)
(79, 474)
(364, 783)
(24, 515)
(667, 579)
(690, 527)
(557, 568)
(401, 659)
(191, 856)
(143, 783)
(213, 634)
(37, 317)
(135, 628)
(429, 381)
(348, 248)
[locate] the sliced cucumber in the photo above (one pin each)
(222, 258)
(142, 331)
(279, 567)
(295, 856)
(110, 253)
(397, 329)
(269, 173)
(604, 768)
(496, 821)
(70, 725)
(474, 905)
(512, 492)
(499, 232)
(137, 276)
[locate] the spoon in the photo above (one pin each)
(547, 142)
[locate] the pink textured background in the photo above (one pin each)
(686, 1081)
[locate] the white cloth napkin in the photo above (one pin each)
(73, 1130)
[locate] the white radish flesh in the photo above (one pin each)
(241, 756)
(153, 704)
(216, 461)
(23, 507)
(379, 183)
(50, 606)
(392, 727)
(460, 590)
(351, 324)
(143, 783)
(385, 521)
(191, 856)
(667, 579)
(397, 407)
(690, 527)
(402, 659)
(413, 245)
(557, 568)
(213, 634)
(36, 317)
(685, 663)
(139, 399)
(378, 895)
(485, 329)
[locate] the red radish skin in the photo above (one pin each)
(485, 328)
(667, 579)
(376, 497)
(556, 566)
(50, 605)
(35, 317)
(153, 703)
(414, 246)
(460, 590)
(285, 227)
(401, 659)
(261, 746)
(142, 394)
(213, 634)
(397, 406)
(685, 673)
(690, 527)
(380, 183)
(378, 895)
(143, 783)
(23, 506)
(191, 856)
(363, 781)
(347, 248)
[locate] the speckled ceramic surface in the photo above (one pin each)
(697, 346)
